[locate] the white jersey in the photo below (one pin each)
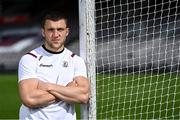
(55, 68)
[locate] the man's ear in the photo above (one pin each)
(42, 32)
(67, 33)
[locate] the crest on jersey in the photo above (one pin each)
(65, 64)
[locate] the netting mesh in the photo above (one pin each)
(137, 59)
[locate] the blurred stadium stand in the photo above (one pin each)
(20, 30)
(138, 38)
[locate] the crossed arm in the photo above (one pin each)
(35, 93)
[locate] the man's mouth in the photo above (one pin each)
(55, 40)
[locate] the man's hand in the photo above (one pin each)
(72, 84)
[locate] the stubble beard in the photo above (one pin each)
(55, 47)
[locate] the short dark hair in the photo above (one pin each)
(54, 16)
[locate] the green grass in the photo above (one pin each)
(138, 96)
(9, 99)
(118, 97)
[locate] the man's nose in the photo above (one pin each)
(55, 33)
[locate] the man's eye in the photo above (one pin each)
(61, 29)
(50, 29)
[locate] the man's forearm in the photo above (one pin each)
(33, 97)
(64, 98)
(40, 98)
(74, 92)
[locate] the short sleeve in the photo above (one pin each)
(27, 67)
(80, 67)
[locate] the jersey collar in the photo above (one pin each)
(52, 51)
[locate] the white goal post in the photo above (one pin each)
(87, 51)
(132, 52)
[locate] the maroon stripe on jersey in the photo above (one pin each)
(32, 54)
(73, 55)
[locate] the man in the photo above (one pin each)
(51, 77)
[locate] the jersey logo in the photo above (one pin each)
(43, 65)
(65, 64)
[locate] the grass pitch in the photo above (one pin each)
(118, 97)
(138, 96)
(9, 99)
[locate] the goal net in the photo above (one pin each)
(137, 59)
